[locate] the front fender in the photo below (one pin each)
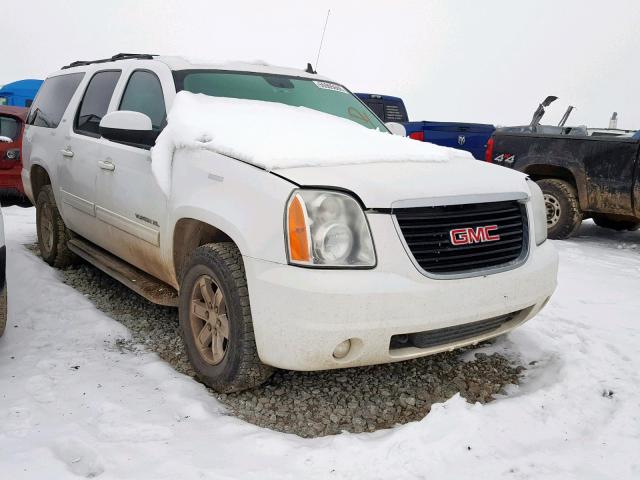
(243, 201)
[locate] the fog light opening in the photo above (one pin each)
(342, 349)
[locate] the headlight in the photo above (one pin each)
(539, 212)
(328, 229)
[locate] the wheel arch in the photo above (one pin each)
(39, 177)
(541, 171)
(191, 233)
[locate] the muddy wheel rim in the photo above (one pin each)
(209, 321)
(46, 227)
(553, 210)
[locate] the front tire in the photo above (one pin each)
(564, 215)
(215, 319)
(53, 234)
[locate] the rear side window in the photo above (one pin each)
(53, 99)
(9, 127)
(377, 108)
(144, 94)
(394, 112)
(95, 102)
(388, 110)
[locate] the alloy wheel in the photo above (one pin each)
(209, 320)
(46, 227)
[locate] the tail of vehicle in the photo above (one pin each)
(386, 107)
(488, 153)
(11, 126)
(471, 137)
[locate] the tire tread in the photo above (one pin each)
(62, 256)
(570, 221)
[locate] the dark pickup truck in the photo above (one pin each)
(580, 176)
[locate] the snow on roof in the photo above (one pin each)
(282, 136)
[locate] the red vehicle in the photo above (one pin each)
(11, 125)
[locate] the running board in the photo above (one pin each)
(140, 282)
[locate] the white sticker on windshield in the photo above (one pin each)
(330, 86)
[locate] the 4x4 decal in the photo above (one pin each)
(506, 158)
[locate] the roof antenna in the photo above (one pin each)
(322, 40)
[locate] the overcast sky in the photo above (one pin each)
(475, 61)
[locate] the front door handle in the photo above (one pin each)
(106, 165)
(66, 152)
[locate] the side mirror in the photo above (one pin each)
(396, 128)
(128, 127)
(4, 139)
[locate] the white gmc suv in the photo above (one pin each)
(305, 266)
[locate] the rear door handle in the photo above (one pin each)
(66, 152)
(106, 165)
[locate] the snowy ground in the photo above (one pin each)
(71, 405)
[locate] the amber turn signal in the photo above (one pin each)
(298, 232)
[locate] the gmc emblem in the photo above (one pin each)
(467, 236)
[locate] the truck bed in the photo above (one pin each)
(603, 169)
(471, 137)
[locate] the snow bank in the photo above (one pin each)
(273, 136)
(71, 406)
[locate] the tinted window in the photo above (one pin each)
(52, 100)
(394, 112)
(95, 102)
(376, 107)
(144, 94)
(9, 127)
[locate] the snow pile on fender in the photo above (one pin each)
(273, 135)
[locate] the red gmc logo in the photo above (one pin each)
(467, 236)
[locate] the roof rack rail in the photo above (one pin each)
(118, 56)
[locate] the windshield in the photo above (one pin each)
(323, 96)
(9, 127)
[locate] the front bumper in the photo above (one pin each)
(301, 314)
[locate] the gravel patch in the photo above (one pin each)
(308, 404)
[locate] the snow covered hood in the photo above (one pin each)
(388, 185)
(273, 135)
(315, 148)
